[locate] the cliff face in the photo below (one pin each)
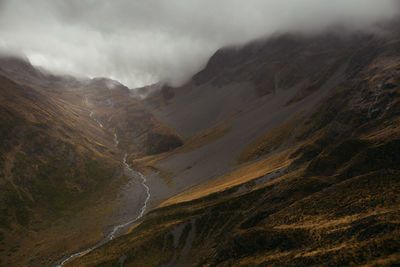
(291, 157)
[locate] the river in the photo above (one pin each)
(117, 229)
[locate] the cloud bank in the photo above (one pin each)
(142, 42)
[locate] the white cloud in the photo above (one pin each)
(140, 42)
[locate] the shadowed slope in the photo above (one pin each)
(60, 168)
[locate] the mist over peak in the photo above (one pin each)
(140, 43)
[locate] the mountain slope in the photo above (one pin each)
(49, 165)
(252, 90)
(305, 172)
(61, 172)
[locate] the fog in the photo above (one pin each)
(142, 42)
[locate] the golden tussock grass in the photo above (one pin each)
(319, 222)
(149, 163)
(270, 141)
(237, 177)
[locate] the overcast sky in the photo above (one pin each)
(139, 42)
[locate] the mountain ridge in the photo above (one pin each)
(325, 142)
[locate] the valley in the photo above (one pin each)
(130, 189)
(284, 151)
(288, 169)
(70, 180)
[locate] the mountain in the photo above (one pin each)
(290, 158)
(62, 144)
(283, 151)
(246, 92)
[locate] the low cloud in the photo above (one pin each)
(141, 42)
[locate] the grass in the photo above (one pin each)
(279, 238)
(149, 163)
(59, 169)
(42, 188)
(336, 204)
(270, 141)
(15, 207)
(58, 190)
(237, 177)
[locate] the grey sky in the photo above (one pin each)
(140, 42)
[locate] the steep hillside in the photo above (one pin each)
(140, 133)
(62, 144)
(53, 163)
(254, 89)
(21, 71)
(291, 158)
